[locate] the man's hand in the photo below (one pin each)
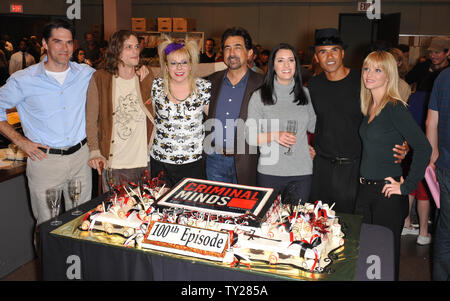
(97, 163)
(400, 151)
(29, 147)
(312, 152)
(32, 149)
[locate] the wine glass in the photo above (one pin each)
(53, 196)
(110, 180)
(14, 148)
(291, 128)
(75, 192)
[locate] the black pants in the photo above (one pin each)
(388, 212)
(124, 175)
(173, 173)
(335, 183)
(278, 183)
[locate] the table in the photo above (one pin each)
(16, 220)
(65, 258)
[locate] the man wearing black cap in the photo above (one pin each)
(335, 95)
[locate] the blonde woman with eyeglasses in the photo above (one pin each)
(180, 100)
(383, 193)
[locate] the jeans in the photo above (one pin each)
(441, 262)
(221, 168)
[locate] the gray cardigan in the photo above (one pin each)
(273, 118)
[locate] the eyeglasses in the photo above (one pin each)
(182, 64)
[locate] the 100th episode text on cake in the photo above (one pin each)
(186, 240)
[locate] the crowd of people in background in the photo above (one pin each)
(91, 50)
(366, 123)
(29, 51)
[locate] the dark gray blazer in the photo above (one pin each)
(245, 163)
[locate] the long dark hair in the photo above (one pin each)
(267, 91)
(75, 55)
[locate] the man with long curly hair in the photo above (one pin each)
(119, 113)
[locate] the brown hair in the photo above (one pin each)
(115, 47)
(402, 63)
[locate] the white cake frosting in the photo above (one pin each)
(302, 236)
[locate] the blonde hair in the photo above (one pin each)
(190, 49)
(385, 61)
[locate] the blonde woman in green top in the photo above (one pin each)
(383, 193)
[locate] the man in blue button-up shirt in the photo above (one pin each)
(50, 98)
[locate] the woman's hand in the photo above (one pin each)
(285, 139)
(393, 188)
(142, 72)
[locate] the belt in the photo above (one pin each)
(339, 160)
(227, 153)
(62, 152)
(365, 181)
(223, 151)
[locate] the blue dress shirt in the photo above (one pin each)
(228, 108)
(50, 113)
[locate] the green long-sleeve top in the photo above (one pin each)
(391, 126)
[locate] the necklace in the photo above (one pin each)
(173, 95)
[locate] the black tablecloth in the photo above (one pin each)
(65, 258)
(17, 223)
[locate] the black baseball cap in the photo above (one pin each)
(327, 37)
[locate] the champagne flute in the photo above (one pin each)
(110, 180)
(14, 148)
(75, 192)
(53, 196)
(291, 128)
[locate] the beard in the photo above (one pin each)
(236, 65)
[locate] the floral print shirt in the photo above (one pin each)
(179, 127)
